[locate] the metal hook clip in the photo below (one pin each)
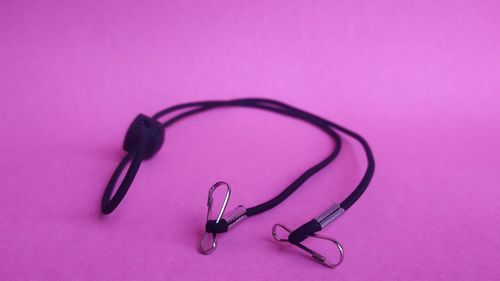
(318, 257)
(224, 219)
(213, 244)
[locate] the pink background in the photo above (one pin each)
(418, 79)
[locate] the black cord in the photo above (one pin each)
(278, 108)
(145, 137)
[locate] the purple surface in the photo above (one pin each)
(419, 79)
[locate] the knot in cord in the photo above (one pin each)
(216, 227)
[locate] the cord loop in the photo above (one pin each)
(145, 137)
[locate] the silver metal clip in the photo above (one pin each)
(323, 219)
(208, 242)
(318, 257)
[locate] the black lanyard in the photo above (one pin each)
(144, 139)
